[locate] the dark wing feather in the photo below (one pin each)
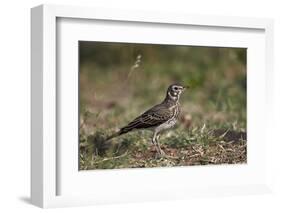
(153, 117)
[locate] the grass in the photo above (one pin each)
(196, 146)
(120, 81)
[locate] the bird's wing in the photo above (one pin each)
(153, 117)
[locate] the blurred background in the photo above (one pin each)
(119, 81)
(115, 86)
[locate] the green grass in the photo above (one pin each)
(197, 146)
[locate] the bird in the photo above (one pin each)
(160, 117)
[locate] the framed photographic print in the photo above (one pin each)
(129, 106)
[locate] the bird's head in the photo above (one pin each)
(174, 91)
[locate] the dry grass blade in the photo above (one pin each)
(111, 158)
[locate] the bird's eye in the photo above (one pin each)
(176, 88)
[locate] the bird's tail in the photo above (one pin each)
(116, 134)
(112, 136)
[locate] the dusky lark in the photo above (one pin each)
(161, 117)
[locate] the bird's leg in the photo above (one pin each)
(161, 152)
(155, 142)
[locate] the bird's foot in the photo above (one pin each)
(160, 154)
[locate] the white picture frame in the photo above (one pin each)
(48, 168)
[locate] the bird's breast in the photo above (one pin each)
(167, 125)
(175, 110)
